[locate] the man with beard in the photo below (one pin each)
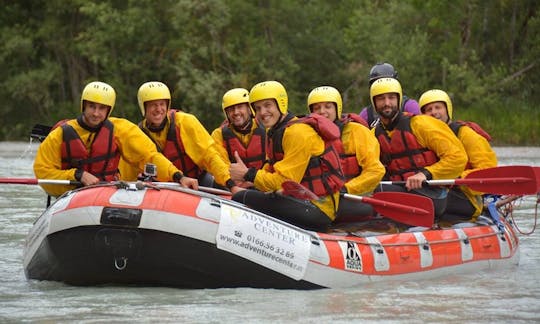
(88, 148)
(240, 132)
(386, 70)
(414, 148)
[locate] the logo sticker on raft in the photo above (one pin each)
(266, 242)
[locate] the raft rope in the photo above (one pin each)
(468, 238)
(511, 215)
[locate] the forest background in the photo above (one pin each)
(485, 54)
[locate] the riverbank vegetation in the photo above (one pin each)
(485, 54)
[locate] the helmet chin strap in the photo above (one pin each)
(84, 125)
(245, 128)
(157, 129)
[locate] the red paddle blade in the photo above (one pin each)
(537, 173)
(402, 207)
(298, 191)
(406, 208)
(504, 180)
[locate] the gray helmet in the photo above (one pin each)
(382, 70)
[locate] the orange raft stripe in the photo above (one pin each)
(165, 200)
(419, 251)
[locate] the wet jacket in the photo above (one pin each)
(360, 157)
(431, 135)
(133, 146)
(294, 148)
(190, 147)
(323, 175)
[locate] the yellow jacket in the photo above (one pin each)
(481, 156)
(438, 137)
(359, 140)
(199, 146)
(133, 144)
(435, 135)
(300, 143)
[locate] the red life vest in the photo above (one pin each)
(253, 155)
(323, 175)
(349, 163)
(456, 125)
(104, 156)
(174, 149)
(402, 155)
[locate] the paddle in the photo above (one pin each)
(31, 181)
(403, 207)
(502, 180)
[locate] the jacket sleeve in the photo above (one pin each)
(359, 140)
(48, 163)
(438, 137)
(137, 149)
(217, 136)
(201, 147)
(300, 143)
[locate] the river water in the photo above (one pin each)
(502, 296)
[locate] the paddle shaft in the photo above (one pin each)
(503, 180)
(30, 181)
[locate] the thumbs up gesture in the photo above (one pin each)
(238, 169)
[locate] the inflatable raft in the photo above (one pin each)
(142, 234)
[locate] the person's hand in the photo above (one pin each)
(415, 181)
(238, 169)
(188, 182)
(89, 179)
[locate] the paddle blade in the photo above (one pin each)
(402, 207)
(503, 180)
(537, 173)
(415, 210)
(298, 191)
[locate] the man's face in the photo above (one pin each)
(386, 105)
(155, 111)
(239, 114)
(326, 109)
(436, 109)
(267, 112)
(94, 113)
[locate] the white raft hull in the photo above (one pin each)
(182, 238)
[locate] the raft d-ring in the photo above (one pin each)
(122, 264)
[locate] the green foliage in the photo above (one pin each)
(483, 53)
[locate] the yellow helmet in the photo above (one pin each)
(270, 90)
(435, 95)
(99, 92)
(385, 85)
(152, 90)
(234, 97)
(326, 94)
